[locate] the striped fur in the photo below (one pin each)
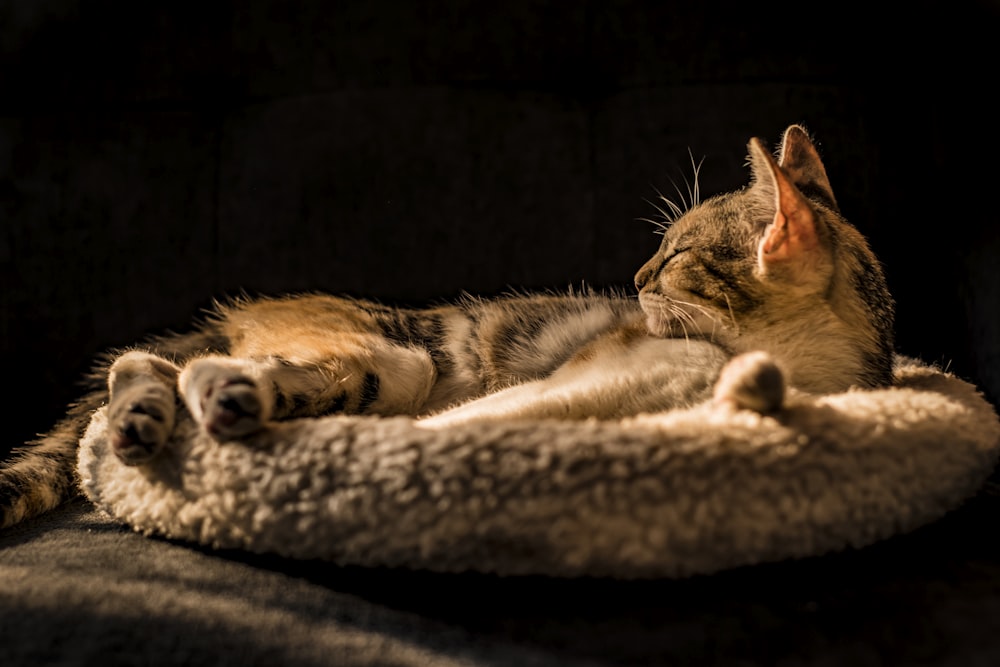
(771, 268)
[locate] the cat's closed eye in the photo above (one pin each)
(676, 253)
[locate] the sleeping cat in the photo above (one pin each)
(748, 290)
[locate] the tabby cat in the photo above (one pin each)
(769, 279)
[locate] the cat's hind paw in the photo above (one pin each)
(140, 419)
(751, 381)
(225, 400)
(142, 406)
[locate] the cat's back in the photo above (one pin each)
(523, 337)
(477, 344)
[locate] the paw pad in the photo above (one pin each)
(751, 381)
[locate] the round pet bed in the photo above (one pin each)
(683, 492)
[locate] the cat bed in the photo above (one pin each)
(678, 493)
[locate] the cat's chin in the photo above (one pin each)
(675, 328)
(660, 327)
(666, 318)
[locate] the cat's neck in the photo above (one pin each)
(821, 356)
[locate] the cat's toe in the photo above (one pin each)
(140, 422)
(751, 381)
(231, 408)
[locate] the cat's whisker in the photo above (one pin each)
(691, 193)
(696, 168)
(732, 315)
(696, 306)
(676, 210)
(681, 311)
(661, 227)
(666, 216)
(684, 332)
(671, 213)
(684, 200)
(680, 315)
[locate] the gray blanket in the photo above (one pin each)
(78, 589)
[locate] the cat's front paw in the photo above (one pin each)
(751, 381)
(140, 419)
(226, 401)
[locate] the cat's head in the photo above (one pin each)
(774, 266)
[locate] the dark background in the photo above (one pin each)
(157, 155)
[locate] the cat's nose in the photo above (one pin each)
(643, 276)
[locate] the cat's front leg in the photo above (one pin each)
(614, 377)
(751, 381)
(142, 405)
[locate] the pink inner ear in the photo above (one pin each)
(792, 233)
(775, 237)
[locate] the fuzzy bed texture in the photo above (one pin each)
(683, 492)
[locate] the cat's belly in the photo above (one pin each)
(637, 376)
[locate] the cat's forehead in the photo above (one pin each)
(716, 218)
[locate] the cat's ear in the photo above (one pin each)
(791, 243)
(800, 160)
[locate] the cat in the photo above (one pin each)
(750, 292)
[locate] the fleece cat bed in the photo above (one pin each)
(691, 491)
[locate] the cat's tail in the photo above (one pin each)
(42, 474)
